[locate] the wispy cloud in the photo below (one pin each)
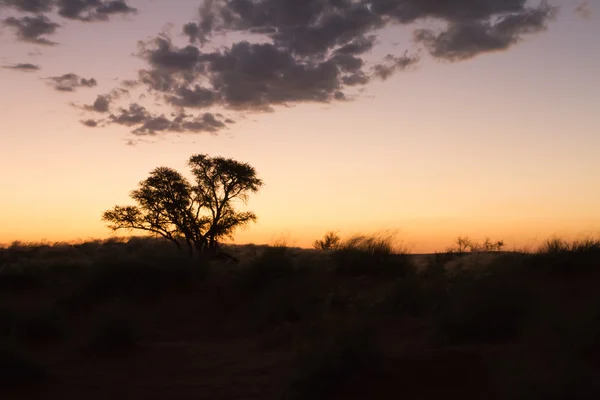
(25, 67)
(71, 82)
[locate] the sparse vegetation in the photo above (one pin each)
(330, 241)
(322, 323)
(371, 255)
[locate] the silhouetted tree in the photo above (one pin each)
(330, 241)
(196, 214)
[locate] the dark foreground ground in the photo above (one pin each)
(136, 321)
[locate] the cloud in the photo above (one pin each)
(34, 6)
(314, 50)
(101, 104)
(315, 27)
(393, 63)
(464, 40)
(206, 122)
(584, 9)
(25, 67)
(299, 51)
(71, 82)
(147, 123)
(32, 29)
(92, 10)
(245, 76)
(90, 123)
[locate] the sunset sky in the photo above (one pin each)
(432, 118)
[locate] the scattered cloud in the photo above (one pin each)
(33, 6)
(92, 10)
(33, 29)
(294, 51)
(147, 123)
(463, 40)
(392, 63)
(70, 82)
(25, 67)
(584, 9)
(90, 123)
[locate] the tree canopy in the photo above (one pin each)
(196, 214)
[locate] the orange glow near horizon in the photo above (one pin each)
(503, 145)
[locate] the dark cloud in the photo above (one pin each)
(134, 115)
(90, 123)
(245, 76)
(25, 67)
(92, 10)
(146, 123)
(101, 104)
(32, 29)
(306, 51)
(315, 27)
(71, 82)
(181, 123)
(196, 97)
(130, 83)
(316, 49)
(584, 9)
(392, 63)
(464, 40)
(34, 6)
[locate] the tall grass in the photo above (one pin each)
(376, 255)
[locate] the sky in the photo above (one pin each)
(428, 118)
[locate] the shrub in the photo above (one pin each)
(330, 241)
(371, 255)
(559, 255)
(273, 264)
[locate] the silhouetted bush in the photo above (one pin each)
(330, 241)
(273, 264)
(371, 255)
(574, 257)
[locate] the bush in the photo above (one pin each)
(558, 255)
(371, 255)
(273, 264)
(330, 241)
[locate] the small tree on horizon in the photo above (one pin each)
(330, 241)
(197, 214)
